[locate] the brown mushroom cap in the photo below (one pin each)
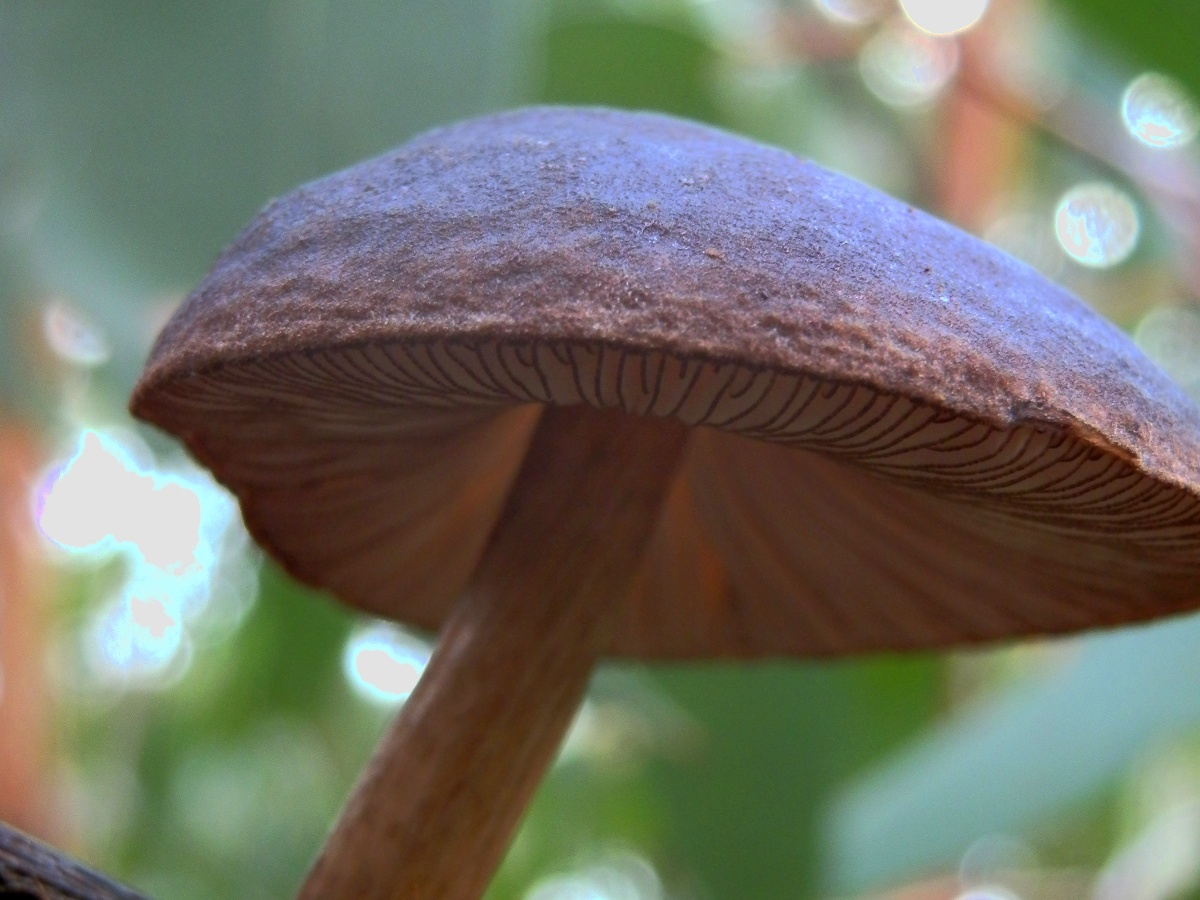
(911, 439)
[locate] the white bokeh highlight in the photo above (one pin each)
(944, 17)
(989, 892)
(383, 662)
(905, 67)
(852, 12)
(621, 875)
(1158, 112)
(72, 337)
(1170, 335)
(1097, 224)
(174, 533)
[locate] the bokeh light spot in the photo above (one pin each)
(621, 876)
(135, 639)
(992, 863)
(944, 16)
(1097, 224)
(904, 67)
(72, 337)
(1158, 111)
(169, 530)
(384, 663)
(851, 12)
(1027, 234)
(1171, 337)
(102, 500)
(988, 892)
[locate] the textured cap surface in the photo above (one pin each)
(912, 439)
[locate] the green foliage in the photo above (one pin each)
(746, 809)
(1043, 746)
(612, 60)
(1157, 34)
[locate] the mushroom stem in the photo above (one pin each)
(436, 807)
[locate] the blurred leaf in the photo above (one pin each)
(1159, 34)
(745, 813)
(283, 660)
(1030, 753)
(171, 124)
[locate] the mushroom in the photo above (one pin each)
(571, 382)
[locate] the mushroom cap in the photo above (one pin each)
(909, 439)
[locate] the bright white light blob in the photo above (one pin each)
(101, 501)
(1158, 111)
(944, 17)
(383, 662)
(620, 876)
(851, 12)
(173, 532)
(1171, 337)
(904, 67)
(137, 639)
(1097, 224)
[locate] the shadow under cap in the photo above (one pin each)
(910, 438)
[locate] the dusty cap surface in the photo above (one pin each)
(905, 437)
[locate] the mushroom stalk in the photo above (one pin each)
(436, 807)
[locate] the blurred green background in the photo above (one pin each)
(196, 737)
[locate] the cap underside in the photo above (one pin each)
(811, 517)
